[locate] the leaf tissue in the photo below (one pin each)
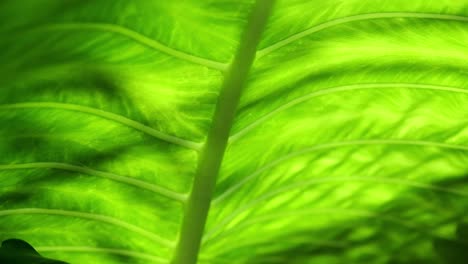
(234, 131)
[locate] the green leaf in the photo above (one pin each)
(15, 251)
(227, 131)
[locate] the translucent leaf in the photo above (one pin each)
(226, 131)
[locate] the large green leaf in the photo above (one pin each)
(335, 133)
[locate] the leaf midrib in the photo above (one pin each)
(211, 156)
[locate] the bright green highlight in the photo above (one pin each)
(349, 141)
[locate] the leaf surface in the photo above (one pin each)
(349, 143)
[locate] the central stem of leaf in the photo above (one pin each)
(211, 156)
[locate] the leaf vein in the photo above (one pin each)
(354, 18)
(123, 252)
(91, 216)
(110, 116)
(128, 180)
(140, 38)
(344, 88)
(331, 145)
(326, 211)
(307, 183)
